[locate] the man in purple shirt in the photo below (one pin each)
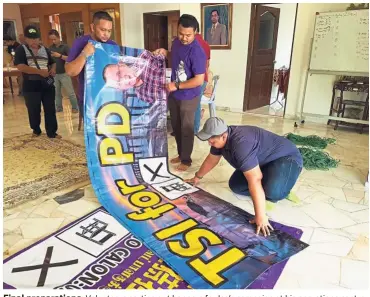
(101, 30)
(188, 69)
(267, 165)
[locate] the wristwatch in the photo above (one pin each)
(177, 84)
(197, 176)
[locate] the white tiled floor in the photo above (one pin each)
(270, 110)
(333, 210)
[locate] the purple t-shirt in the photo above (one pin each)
(74, 52)
(249, 146)
(187, 62)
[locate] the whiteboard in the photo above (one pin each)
(341, 41)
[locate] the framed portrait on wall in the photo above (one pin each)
(217, 24)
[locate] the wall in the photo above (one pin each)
(66, 21)
(285, 38)
(285, 33)
(12, 12)
(319, 87)
(232, 81)
(230, 91)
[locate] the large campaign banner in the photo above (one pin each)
(97, 252)
(206, 240)
(155, 231)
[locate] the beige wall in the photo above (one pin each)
(319, 87)
(231, 64)
(12, 12)
(230, 92)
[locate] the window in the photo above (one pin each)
(266, 32)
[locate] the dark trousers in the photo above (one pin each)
(33, 102)
(279, 177)
(81, 107)
(182, 114)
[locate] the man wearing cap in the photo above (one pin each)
(37, 67)
(267, 165)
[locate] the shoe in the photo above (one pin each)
(74, 110)
(34, 134)
(59, 109)
(55, 136)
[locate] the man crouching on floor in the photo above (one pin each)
(267, 165)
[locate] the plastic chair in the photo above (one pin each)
(211, 101)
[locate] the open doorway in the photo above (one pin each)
(69, 25)
(271, 36)
(160, 28)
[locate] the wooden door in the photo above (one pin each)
(155, 32)
(262, 57)
(173, 19)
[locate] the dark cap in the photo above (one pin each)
(213, 127)
(31, 32)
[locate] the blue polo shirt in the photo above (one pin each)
(249, 146)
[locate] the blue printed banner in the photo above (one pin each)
(208, 241)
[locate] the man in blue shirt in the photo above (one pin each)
(267, 165)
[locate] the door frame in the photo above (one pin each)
(162, 13)
(145, 15)
(250, 53)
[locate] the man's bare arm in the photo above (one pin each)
(194, 82)
(208, 164)
(75, 67)
(29, 70)
(254, 178)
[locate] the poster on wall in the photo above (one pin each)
(217, 24)
(206, 240)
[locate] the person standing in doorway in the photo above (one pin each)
(207, 50)
(101, 30)
(37, 67)
(60, 52)
(188, 69)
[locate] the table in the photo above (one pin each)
(340, 105)
(9, 72)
